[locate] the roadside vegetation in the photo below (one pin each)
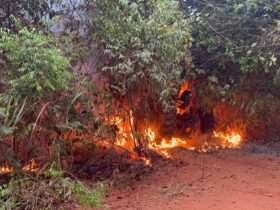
(144, 51)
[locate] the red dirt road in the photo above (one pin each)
(246, 179)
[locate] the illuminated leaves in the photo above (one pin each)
(143, 41)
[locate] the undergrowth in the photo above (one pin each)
(49, 191)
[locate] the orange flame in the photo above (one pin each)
(6, 170)
(30, 167)
(186, 86)
(233, 139)
(163, 146)
(124, 135)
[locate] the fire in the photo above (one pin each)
(124, 135)
(30, 167)
(185, 91)
(125, 139)
(185, 86)
(6, 170)
(129, 138)
(232, 138)
(147, 161)
(163, 145)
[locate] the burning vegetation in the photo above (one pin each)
(30, 167)
(136, 81)
(194, 130)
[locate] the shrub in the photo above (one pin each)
(145, 44)
(35, 66)
(48, 193)
(35, 69)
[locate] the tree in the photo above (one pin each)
(34, 70)
(145, 44)
(236, 51)
(235, 34)
(28, 11)
(35, 65)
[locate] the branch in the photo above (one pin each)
(37, 120)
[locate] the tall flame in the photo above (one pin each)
(186, 86)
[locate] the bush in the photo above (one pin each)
(35, 69)
(48, 193)
(145, 44)
(235, 34)
(235, 53)
(35, 66)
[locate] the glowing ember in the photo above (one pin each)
(30, 167)
(6, 170)
(147, 161)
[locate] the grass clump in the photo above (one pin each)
(48, 193)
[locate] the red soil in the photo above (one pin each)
(247, 179)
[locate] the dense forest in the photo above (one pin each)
(130, 78)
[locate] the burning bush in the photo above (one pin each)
(144, 50)
(146, 95)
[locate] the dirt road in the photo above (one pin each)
(246, 179)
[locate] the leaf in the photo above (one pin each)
(254, 44)
(20, 113)
(249, 52)
(2, 113)
(273, 59)
(213, 79)
(70, 126)
(5, 131)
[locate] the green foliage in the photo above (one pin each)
(41, 193)
(86, 196)
(30, 12)
(54, 171)
(143, 43)
(11, 115)
(36, 66)
(7, 202)
(235, 34)
(35, 69)
(236, 52)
